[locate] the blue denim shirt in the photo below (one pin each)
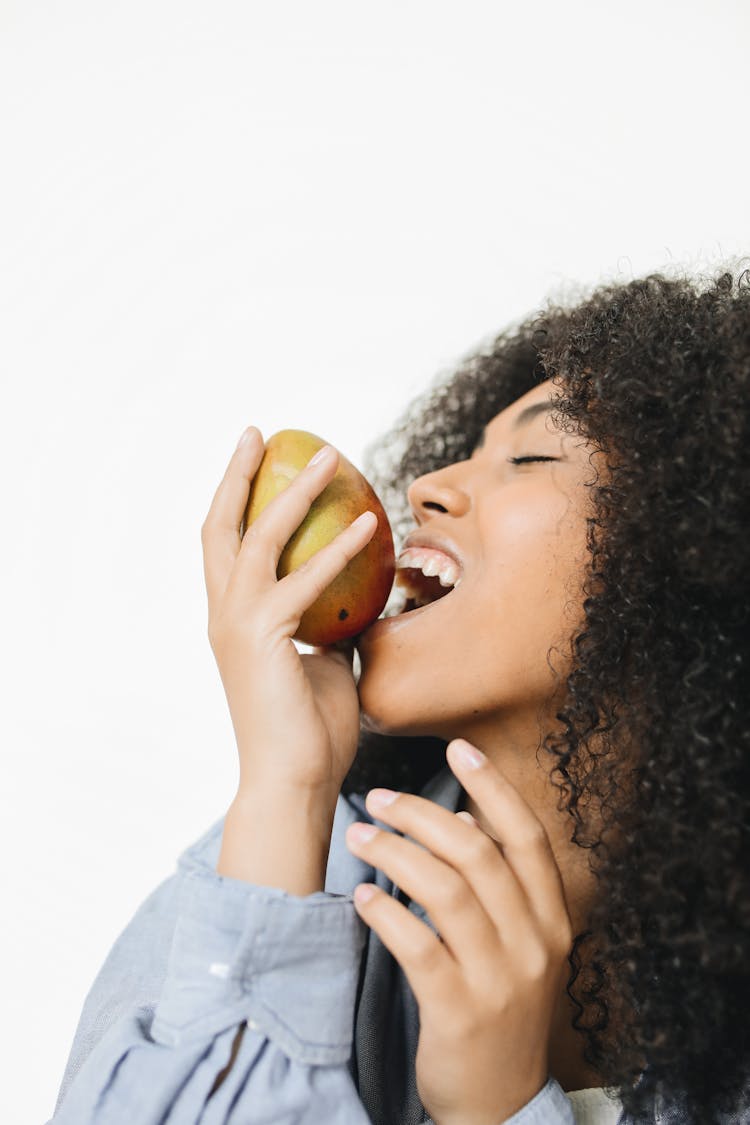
(330, 1023)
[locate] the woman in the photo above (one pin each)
(573, 945)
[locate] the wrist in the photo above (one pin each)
(278, 839)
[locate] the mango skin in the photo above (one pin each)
(358, 594)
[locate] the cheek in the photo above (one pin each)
(540, 556)
(526, 600)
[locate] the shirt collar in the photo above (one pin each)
(445, 789)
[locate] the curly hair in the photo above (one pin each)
(656, 373)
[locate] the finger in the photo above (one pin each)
(466, 816)
(297, 591)
(268, 535)
(471, 854)
(220, 533)
(427, 963)
(522, 835)
(452, 905)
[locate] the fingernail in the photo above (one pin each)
(468, 818)
(468, 755)
(364, 892)
(361, 833)
(322, 452)
(380, 798)
(365, 518)
(246, 436)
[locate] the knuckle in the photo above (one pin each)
(454, 893)
(331, 557)
(257, 542)
(564, 938)
(215, 633)
(536, 961)
(428, 952)
(308, 572)
(339, 554)
(534, 837)
(479, 850)
(501, 1001)
(253, 533)
(302, 491)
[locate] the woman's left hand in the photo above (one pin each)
(488, 986)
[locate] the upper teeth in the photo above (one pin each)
(431, 562)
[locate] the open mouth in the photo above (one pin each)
(412, 595)
(418, 590)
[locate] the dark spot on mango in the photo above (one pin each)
(343, 614)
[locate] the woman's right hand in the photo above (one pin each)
(295, 716)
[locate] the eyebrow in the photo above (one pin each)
(525, 416)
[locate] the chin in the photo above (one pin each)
(400, 700)
(385, 720)
(384, 716)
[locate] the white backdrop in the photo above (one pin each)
(291, 215)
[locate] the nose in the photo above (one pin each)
(438, 491)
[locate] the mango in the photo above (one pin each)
(357, 595)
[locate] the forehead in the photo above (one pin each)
(541, 393)
(524, 410)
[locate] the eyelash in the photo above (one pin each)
(523, 460)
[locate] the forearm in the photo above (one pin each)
(278, 840)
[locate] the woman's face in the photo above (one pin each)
(474, 664)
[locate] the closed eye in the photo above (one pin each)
(524, 460)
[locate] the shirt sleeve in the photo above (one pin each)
(549, 1107)
(254, 1017)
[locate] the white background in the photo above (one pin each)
(286, 214)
